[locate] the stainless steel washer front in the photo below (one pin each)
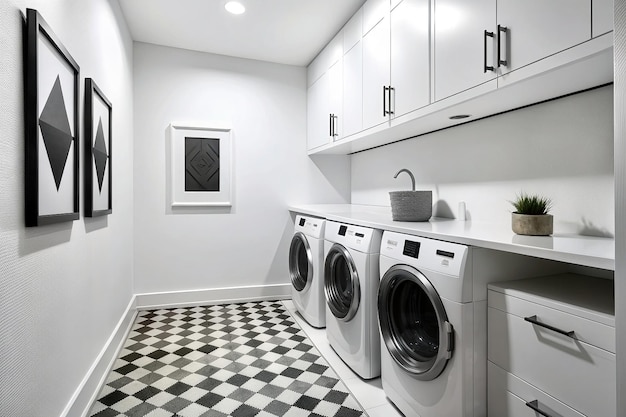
(300, 262)
(413, 323)
(341, 283)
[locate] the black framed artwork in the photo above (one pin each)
(98, 131)
(51, 126)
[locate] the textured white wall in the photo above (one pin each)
(562, 149)
(620, 201)
(248, 244)
(63, 288)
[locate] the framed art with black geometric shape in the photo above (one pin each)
(98, 169)
(201, 164)
(51, 116)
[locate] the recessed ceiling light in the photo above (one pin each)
(459, 116)
(235, 7)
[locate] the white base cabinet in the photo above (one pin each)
(551, 347)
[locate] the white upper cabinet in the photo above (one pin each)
(318, 131)
(602, 14)
(373, 12)
(376, 57)
(410, 56)
(353, 91)
(401, 68)
(335, 95)
(531, 30)
(352, 76)
(324, 102)
(464, 45)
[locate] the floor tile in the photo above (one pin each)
(237, 360)
(386, 410)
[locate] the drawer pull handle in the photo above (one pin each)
(533, 320)
(535, 406)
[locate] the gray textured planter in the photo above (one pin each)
(411, 206)
(532, 225)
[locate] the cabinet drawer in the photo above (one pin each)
(575, 372)
(508, 395)
(585, 330)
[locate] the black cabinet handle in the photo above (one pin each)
(485, 66)
(501, 30)
(333, 121)
(330, 124)
(546, 413)
(389, 90)
(384, 100)
(533, 320)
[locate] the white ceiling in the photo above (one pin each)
(283, 31)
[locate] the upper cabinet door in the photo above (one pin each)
(373, 12)
(461, 48)
(536, 29)
(318, 116)
(376, 74)
(410, 56)
(335, 99)
(602, 13)
(353, 91)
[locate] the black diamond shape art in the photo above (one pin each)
(56, 132)
(100, 155)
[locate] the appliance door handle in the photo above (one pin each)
(501, 30)
(485, 66)
(534, 405)
(533, 320)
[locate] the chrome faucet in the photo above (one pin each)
(410, 175)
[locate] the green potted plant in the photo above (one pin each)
(531, 215)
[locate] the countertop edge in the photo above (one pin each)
(595, 252)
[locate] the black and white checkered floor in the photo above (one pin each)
(227, 360)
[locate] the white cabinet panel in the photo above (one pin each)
(335, 98)
(410, 55)
(508, 395)
(376, 56)
(353, 31)
(373, 12)
(353, 91)
(539, 28)
(602, 14)
(459, 44)
(318, 120)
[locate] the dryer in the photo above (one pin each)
(306, 266)
(350, 286)
(427, 320)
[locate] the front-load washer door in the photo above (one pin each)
(341, 283)
(300, 262)
(413, 323)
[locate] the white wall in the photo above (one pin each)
(562, 149)
(63, 288)
(620, 201)
(248, 244)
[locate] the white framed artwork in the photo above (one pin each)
(201, 164)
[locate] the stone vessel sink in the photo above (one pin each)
(411, 206)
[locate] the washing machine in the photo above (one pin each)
(427, 319)
(351, 278)
(306, 269)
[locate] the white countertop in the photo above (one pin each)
(597, 252)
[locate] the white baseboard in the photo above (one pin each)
(90, 386)
(213, 296)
